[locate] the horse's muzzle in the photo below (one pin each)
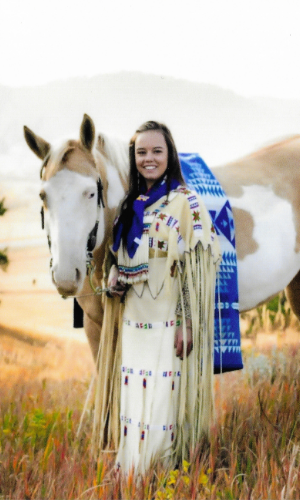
(65, 287)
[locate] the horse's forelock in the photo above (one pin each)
(73, 156)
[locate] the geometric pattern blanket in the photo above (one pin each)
(227, 339)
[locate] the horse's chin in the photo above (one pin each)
(67, 292)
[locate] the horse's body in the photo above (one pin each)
(263, 190)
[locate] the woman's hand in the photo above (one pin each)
(178, 341)
(116, 289)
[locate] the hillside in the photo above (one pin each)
(215, 122)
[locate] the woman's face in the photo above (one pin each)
(151, 155)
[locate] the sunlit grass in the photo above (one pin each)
(254, 451)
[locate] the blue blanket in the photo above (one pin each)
(227, 350)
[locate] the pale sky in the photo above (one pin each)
(249, 46)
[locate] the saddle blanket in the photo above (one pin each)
(227, 348)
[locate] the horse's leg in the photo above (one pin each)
(293, 294)
(93, 332)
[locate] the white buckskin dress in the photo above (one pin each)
(158, 405)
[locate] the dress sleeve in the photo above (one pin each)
(196, 230)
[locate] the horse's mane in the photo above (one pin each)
(116, 152)
(276, 145)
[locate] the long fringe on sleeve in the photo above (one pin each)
(196, 401)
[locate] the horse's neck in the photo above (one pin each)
(114, 151)
(112, 165)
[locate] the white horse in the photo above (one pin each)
(263, 189)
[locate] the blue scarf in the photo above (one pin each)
(157, 191)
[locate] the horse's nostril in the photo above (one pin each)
(77, 275)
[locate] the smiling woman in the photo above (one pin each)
(166, 256)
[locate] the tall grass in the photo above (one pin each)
(254, 451)
(276, 314)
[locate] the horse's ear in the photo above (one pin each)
(38, 145)
(87, 132)
(101, 144)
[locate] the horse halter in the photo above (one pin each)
(92, 238)
(91, 242)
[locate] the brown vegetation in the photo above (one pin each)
(254, 452)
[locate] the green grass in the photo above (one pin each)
(254, 451)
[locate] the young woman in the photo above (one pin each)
(167, 254)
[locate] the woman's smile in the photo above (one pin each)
(151, 156)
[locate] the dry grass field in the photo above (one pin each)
(45, 372)
(253, 454)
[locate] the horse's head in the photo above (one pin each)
(72, 211)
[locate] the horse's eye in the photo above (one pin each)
(89, 193)
(43, 195)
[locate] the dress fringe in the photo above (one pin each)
(196, 400)
(106, 425)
